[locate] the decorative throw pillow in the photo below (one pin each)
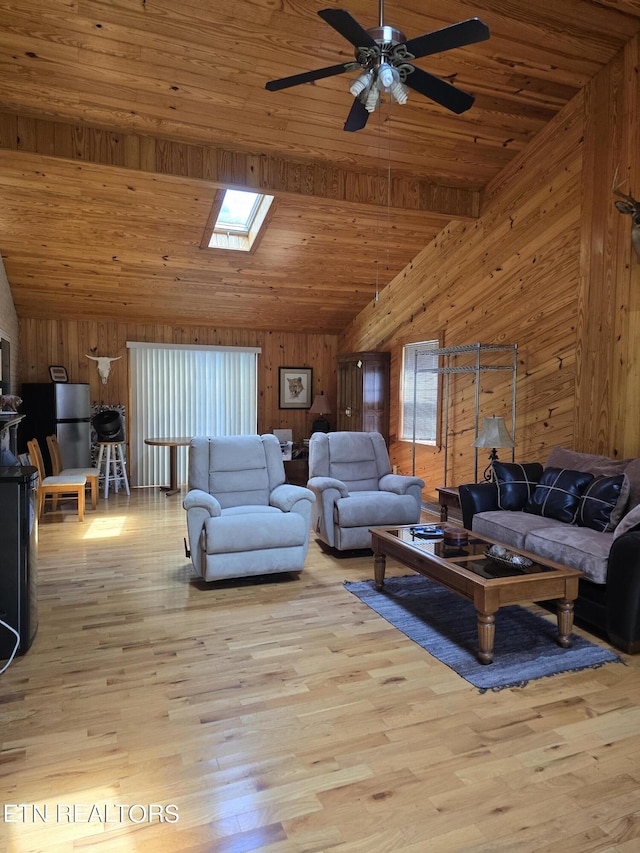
(598, 502)
(558, 494)
(515, 483)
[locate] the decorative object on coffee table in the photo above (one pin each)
(456, 536)
(501, 555)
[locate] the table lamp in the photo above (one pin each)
(320, 407)
(493, 434)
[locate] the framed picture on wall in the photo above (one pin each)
(295, 384)
(58, 373)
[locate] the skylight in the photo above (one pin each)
(238, 211)
(237, 220)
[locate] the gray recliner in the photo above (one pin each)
(242, 517)
(350, 475)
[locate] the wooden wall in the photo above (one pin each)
(511, 277)
(66, 342)
(9, 325)
(608, 380)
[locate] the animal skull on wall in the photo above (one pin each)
(104, 365)
(632, 207)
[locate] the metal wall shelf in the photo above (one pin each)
(477, 350)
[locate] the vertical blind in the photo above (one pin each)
(420, 392)
(186, 391)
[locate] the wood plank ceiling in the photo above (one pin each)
(122, 119)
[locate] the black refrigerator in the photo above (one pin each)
(63, 408)
(19, 549)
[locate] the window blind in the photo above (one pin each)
(187, 391)
(420, 392)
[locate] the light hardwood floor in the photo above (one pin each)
(284, 716)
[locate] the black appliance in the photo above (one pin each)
(109, 425)
(19, 564)
(63, 408)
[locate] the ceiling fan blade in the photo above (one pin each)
(347, 26)
(438, 90)
(457, 35)
(309, 76)
(357, 117)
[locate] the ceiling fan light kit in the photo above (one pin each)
(383, 55)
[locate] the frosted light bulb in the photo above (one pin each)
(386, 75)
(399, 92)
(360, 84)
(372, 99)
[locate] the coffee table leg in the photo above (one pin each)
(565, 622)
(379, 566)
(486, 636)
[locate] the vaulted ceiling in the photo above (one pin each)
(122, 119)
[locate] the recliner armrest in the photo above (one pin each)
(477, 497)
(320, 484)
(399, 484)
(284, 497)
(199, 499)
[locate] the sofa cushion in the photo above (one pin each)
(558, 494)
(509, 528)
(560, 457)
(598, 502)
(515, 482)
(578, 547)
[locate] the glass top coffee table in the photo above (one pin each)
(489, 583)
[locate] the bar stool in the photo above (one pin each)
(113, 458)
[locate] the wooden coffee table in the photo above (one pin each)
(465, 570)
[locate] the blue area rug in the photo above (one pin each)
(446, 626)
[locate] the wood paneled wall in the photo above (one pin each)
(9, 325)
(511, 277)
(608, 380)
(45, 342)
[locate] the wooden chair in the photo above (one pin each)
(55, 487)
(56, 466)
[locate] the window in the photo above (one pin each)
(185, 391)
(237, 220)
(419, 392)
(238, 211)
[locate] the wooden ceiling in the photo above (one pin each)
(122, 118)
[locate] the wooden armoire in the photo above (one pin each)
(363, 393)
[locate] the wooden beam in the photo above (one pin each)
(226, 167)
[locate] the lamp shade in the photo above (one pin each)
(493, 434)
(320, 405)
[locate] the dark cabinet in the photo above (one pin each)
(363, 392)
(18, 564)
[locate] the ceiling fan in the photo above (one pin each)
(383, 57)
